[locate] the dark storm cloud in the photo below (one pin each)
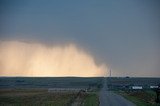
(124, 34)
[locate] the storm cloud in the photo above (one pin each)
(36, 59)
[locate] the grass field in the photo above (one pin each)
(34, 97)
(49, 82)
(117, 83)
(20, 91)
(91, 100)
(40, 97)
(140, 98)
(33, 91)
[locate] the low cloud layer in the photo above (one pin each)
(36, 59)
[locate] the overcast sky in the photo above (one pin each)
(124, 34)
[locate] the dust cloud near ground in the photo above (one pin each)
(19, 58)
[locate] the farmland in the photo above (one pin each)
(70, 91)
(34, 91)
(123, 83)
(34, 97)
(143, 97)
(50, 82)
(140, 98)
(40, 97)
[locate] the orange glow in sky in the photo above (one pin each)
(36, 59)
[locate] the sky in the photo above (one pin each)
(123, 34)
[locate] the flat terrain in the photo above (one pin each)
(34, 91)
(144, 97)
(123, 83)
(34, 97)
(40, 97)
(141, 98)
(49, 82)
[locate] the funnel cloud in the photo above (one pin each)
(35, 59)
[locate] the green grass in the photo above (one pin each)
(136, 101)
(141, 98)
(40, 97)
(91, 100)
(34, 98)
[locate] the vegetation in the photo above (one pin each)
(33, 91)
(41, 97)
(35, 98)
(140, 98)
(91, 100)
(50, 82)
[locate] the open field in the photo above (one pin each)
(32, 97)
(40, 97)
(34, 91)
(75, 82)
(143, 97)
(140, 98)
(123, 83)
(50, 82)
(91, 100)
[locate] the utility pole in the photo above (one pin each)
(109, 79)
(110, 73)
